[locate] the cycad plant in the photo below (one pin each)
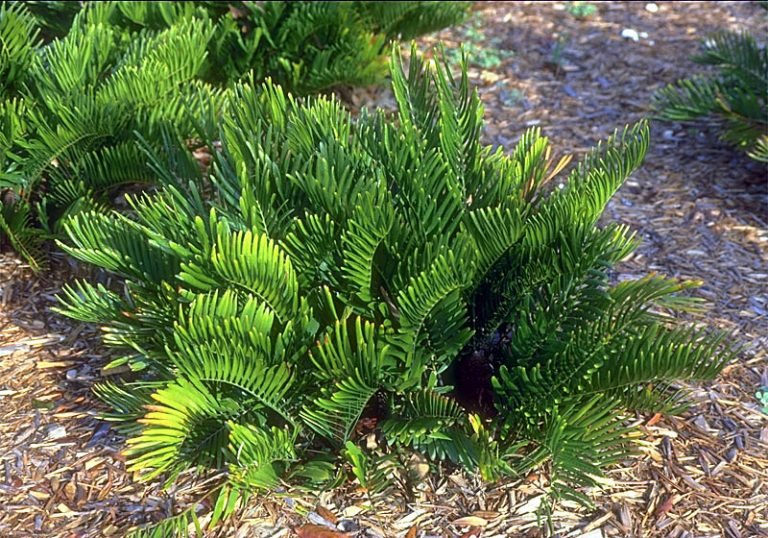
(68, 138)
(736, 97)
(313, 47)
(333, 277)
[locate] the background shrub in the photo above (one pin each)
(333, 277)
(737, 97)
(69, 136)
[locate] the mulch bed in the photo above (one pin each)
(701, 208)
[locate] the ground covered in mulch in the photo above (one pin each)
(701, 208)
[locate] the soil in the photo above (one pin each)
(700, 207)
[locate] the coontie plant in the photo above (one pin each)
(737, 96)
(331, 278)
(68, 134)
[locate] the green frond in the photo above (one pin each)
(736, 97)
(431, 211)
(578, 439)
(146, 77)
(367, 229)
(599, 175)
(656, 355)
(128, 402)
(687, 100)
(311, 245)
(617, 347)
(187, 426)
(330, 180)
(317, 40)
(253, 263)
(245, 324)
(170, 159)
(92, 304)
(158, 15)
(413, 92)
(68, 66)
(432, 317)
(13, 127)
(487, 235)
(165, 217)
(547, 290)
(461, 125)
(261, 456)
(358, 350)
(409, 20)
(330, 66)
(126, 254)
(740, 57)
(374, 474)
(434, 425)
(237, 375)
(335, 414)
(74, 132)
(356, 365)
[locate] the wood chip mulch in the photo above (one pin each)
(61, 472)
(701, 208)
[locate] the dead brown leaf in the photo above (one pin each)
(317, 531)
(327, 514)
(654, 419)
(667, 505)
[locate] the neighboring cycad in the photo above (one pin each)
(68, 141)
(333, 276)
(737, 96)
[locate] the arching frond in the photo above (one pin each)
(252, 263)
(357, 365)
(434, 425)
